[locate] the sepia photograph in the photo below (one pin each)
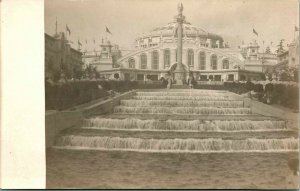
(165, 94)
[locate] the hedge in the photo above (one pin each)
(284, 94)
(73, 93)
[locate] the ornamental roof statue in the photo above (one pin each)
(180, 8)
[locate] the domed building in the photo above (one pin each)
(204, 55)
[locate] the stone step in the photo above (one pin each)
(182, 110)
(191, 93)
(196, 98)
(235, 135)
(176, 145)
(184, 125)
(187, 116)
(181, 103)
(180, 87)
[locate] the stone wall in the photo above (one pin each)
(56, 121)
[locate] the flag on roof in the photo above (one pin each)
(108, 31)
(68, 29)
(254, 31)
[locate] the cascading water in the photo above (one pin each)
(176, 145)
(199, 98)
(182, 110)
(183, 125)
(182, 94)
(183, 103)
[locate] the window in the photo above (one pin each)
(190, 58)
(166, 58)
(143, 61)
(131, 63)
(214, 62)
(202, 61)
(155, 60)
(225, 64)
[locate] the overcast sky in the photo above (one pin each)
(127, 19)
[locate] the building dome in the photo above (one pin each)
(168, 31)
(189, 31)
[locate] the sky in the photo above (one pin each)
(127, 19)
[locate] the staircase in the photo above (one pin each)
(177, 121)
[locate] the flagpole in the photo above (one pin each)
(105, 34)
(294, 32)
(56, 26)
(66, 34)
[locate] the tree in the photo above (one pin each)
(268, 50)
(280, 48)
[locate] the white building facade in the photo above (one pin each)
(204, 56)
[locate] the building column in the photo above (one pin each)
(161, 59)
(220, 65)
(236, 77)
(208, 64)
(137, 62)
(196, 60)
(224, 77)
(149, 63)
(172, 56)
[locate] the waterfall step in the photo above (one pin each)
(191, 93)
(185, 125)
(180, 86)
(187, 116)
(179, 98)
(182, 103)
(183, 90)
(200, 121)
(176, 145)
(236, 135)
(183, 110)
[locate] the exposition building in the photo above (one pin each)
(204, 55)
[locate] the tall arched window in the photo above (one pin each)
(225, 64)
(214, 62)
(155, 60)
(131, 63)
(167, 58)
(143, 61)
(190, 58)
(202, 61)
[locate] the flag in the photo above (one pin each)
(67, 28)
(85, 41)
(254, 31)
(271, 42)
(79, 43)
(107, 30)
(94, 41)
(296, 28)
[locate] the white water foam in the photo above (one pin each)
(177, 145)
